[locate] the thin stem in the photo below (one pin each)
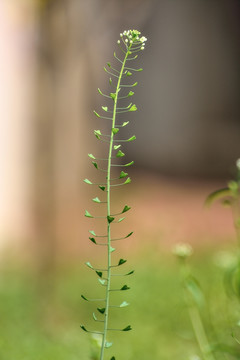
(109, 208)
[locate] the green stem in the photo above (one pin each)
(106, 314)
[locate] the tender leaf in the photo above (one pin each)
(113, 358)
(95, 164)
(130, 273)
(105, 108)
(108, 344)
(87, 214)
(101, 187)
(116, 147)
(129, 234)
(122, 261)
(132, 138)
(216, 195)
(124, 304)
(110, 81)
(133, 108)
(123, 175)
(96, 114)
(100, 92)
(112, 249)
(113, 95)
(99, 273)
(91, 156)
(125, 123)
(126, 208)
(97, 133)
(94, 317)
(120, 154)
(101, 310)
(129, 164)
(139, 69)
(115, 131)
(92, 232)
(89, 265)
(131, 93)
(128, 73)
(119, 220)
(110, 219)
(127, 328)
(102, 282)
(92, 240)
(87, 181)
(83, 328)
(108, 64)
(125, 287)
(96, 199)
(84, 298)
(135, 84)
(128, 181)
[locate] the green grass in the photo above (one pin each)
(40, 317)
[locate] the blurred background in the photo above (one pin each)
(52, 54)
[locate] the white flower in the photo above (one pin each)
(118, 41)
(182, 250)
(121, 35)
(143, 39)
(126, 40)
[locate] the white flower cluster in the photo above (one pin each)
(182, 250)
(133, 37)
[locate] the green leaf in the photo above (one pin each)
(113, 95)
(94, 317)
(123, 175)
(95, 164)
(87, 214)
(120, 154)
(125, 287)
(135, 84)
(130, 273)
(112, 249)
(124, 304)
(84, 298)
(92, 232)
(129, 234)
(83, 328)
(91, 156)
(122, 261)
(108, 344)
(115, 131)
(108, 64)
(126, 208)
(96, 114)
(119, 220)
(101, 310)
(128, 73)
(89, 265)
(127, 328)
(97, 133)
(96, 199)
(132, 138)
(131, 93)
(113, 358)
(105, 108)
(129, 164)
(125, 123)
(87, 181)
(216, 195)
(101, 187)
(110, 219)
(99, 273)
(116, 147)
(139, 69)
(100, 92)
(92, 240)
(133, 108)
(102, 282)
(110, 81)
(128, 181)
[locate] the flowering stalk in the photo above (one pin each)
(129, 45)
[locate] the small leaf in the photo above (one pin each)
(102, 187)
(102, 282)
(94, 317)
(128, 181)
(91, 156)
(97, 133)
(121, 261)
(101, 310)
(92, 232)
(128, 73)
(129, 234)
(112, 249)
(126, 208)
(96, 114)
(105, 108)
(87, 214)
(89, 265)
(83, 328)
(135, 84)
(139, 69)
(127, 328)
(96, 199)
(108, 344)
(110, 81)
(129, 164)
(108, 64)
(100, 92)
(95, 164)
(115, 131)
(123, 175)
(110, 219)
(133, 108)
(113, 358)
(87, 181)
(125, 123)
(131, 93)
(124, 304)
(120, 154)
(116, 147)
(113, 95)
(132, 138)
(125, 287)
(121, 219)
(84, 298)
(92, 240)
(130, 273)
(99, 273)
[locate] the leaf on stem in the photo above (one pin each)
(123, 304)
(121, 219)
(129, 234)
(92, 240)
(92, 232)
(115, 131)
(132, 138)
(127, 328)
(123, 175)
(122, 261)
(108, 344)
(133, 108)
(101, 310)
(126, 208)
(105, 108)
(113, 95)
(125, 123)
(110, 219)
(97, 133)
(91, 156)
(101, 187)
(120, 154)
(87, 181)
(95, 164)
(102, 282)
(116, 147)
(89, 265)
(130, 273)
(99, 273)
(125, 287)
(96, 200)
(87, 214)
(96, 113)
(129, 164)
(112, 249)
(84, 298)
(128, 181)
(131, 93)
(83, 328)
(128, 73)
